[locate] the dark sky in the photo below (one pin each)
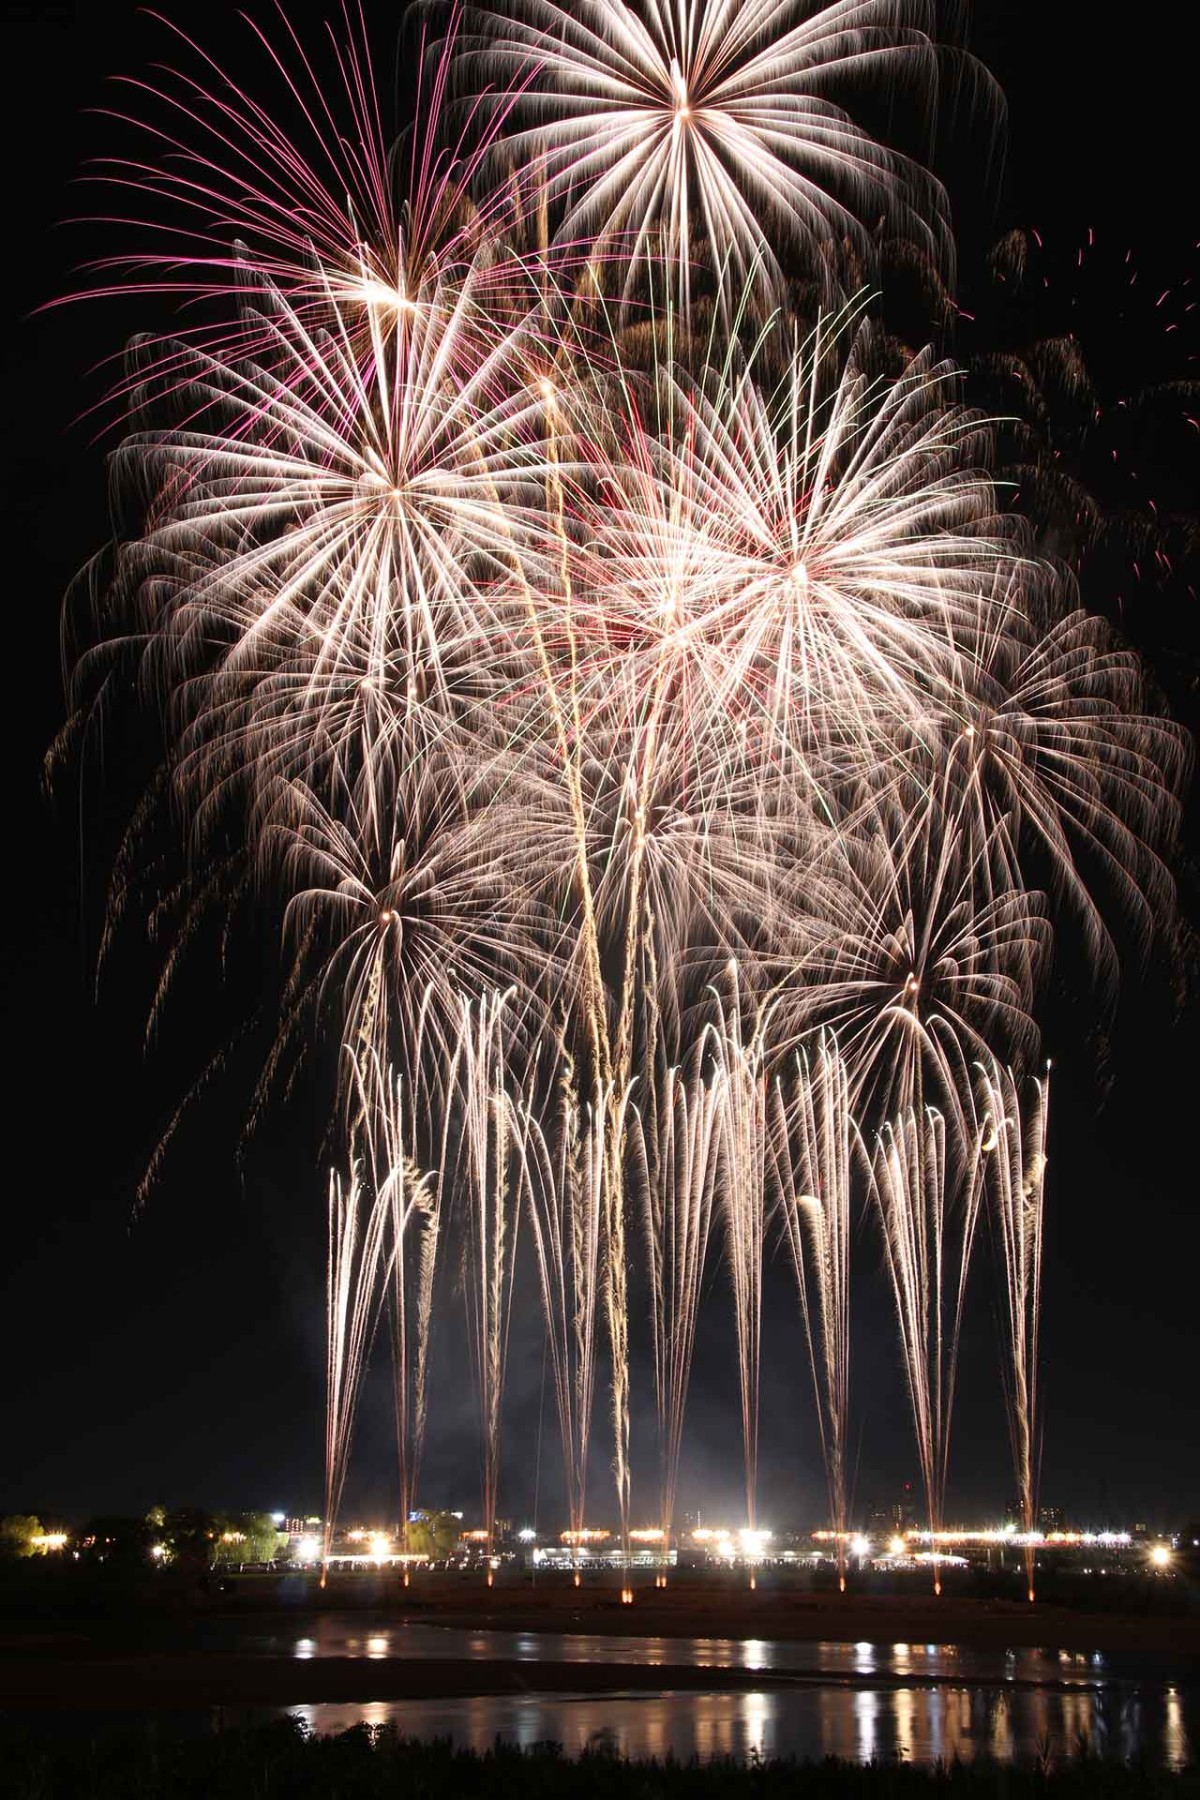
(175, 1354)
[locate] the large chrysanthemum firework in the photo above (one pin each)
(1051, 735)
(338, 537)
(663, 122)
(824, 553)
(399, 907)
(919, 963)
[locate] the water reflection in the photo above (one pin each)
(1176, 1747)
(1000, 1737)
(344, 1635)
(912, 1723)
(905, 1710)
(866, 1720)
(756, 1717)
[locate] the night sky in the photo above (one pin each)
(174, 1353)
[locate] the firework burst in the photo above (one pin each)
(665, 130)
(663, 756)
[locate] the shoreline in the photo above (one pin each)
(147, 1659)
(789, 1617)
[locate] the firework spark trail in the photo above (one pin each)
(929, 1224)
(1013, 1149)
(741, 1085)
(616, 1307)
(813, 1140)
(329, 212)
(399, 900)
(563, 1178)
(411, 1199)
(355, 1278)
(482, 1167)
(915, 964)
(1052, 744)
(676, 1150)
(660, 128)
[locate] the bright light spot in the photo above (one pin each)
(527, 1535)
(379, 293)
(753, 1543)
(860, 1546)
(1160, 1556)
(896, 1546)
(308, 1549)
(387, 916)
(278, 1518)
(381, 1546)
(158, 1551)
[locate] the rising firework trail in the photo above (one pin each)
(562, 1168)
(1013, 1149)
(929, 1220)
(483, 1170)
(741, 1090)
(678, 1149)
(813, 1145)
(411, 1199)
(358, 1226)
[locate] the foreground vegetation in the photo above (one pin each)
(279, 1761)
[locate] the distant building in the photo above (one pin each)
(899, 1515)
(1049, 1518)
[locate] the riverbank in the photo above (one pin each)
(295, 1644)
(247, 1641)
(282, 1761)
(782, 1614)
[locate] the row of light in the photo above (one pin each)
(745, 1542)
(730, 1544)
(902, 1546)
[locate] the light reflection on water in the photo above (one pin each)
(345, 1636)
(919, 1724)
